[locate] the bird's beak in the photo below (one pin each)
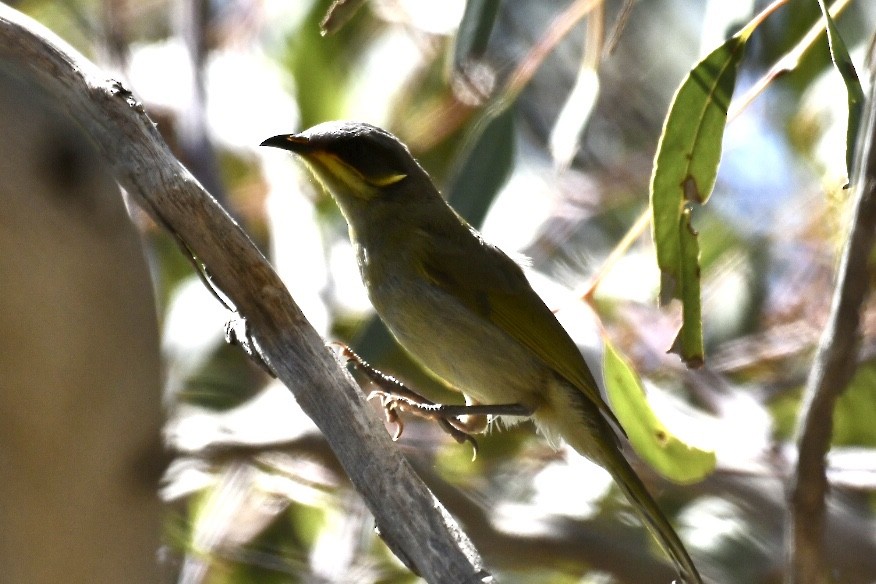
(291, 142)
(326, 167)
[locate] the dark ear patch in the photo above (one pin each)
(373, 158)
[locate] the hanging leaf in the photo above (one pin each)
(843, 63)
(474, 32)
(574, 116)
(689, 341)
(652, 441)
(685, 169)
(483, 165)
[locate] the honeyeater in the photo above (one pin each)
(462, 308)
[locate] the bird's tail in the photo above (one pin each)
(584, 428)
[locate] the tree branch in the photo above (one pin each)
(410, 519)
(834, 366)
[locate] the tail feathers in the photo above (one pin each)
(653, 517)
(579, 422)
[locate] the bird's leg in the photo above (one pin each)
(392, 388)
(396, 397)
(460, 421)
(476, 413)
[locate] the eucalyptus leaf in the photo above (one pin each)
(685, 169)
(483, 165)
(689, 342)
(651, 439)
(474, 32)
(843, 63)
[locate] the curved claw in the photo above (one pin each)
(460, 436)
(391, 416)
(474, 446)
(342, 351)
(392, 404)
(390, 412)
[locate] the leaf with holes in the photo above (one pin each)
(685, 169)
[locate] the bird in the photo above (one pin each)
(465, 310)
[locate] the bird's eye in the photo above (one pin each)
(350, 151)
(379, 165)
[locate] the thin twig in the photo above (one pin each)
(411, 521)
(832, 370)
(557, 31)
(787, 62)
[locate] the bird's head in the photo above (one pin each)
(355, 161)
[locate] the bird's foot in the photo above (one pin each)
(409, 401)
(396, 397)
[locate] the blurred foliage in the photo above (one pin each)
(321, 65)
(768, 242)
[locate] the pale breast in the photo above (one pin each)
(457, 345)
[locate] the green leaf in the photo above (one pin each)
(689, 342)
(483, 165)
(474, 31)
(843, 64)
(685, 169)
(664, 452)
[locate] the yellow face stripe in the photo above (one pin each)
(331, 169)
(385, 181)
(365, 186)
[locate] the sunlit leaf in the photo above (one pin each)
(574, 116)
(685, 169)
(689, 341)
(843, 64)
(663, 451)
(579, 105)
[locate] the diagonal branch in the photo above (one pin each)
(410, 519)
(832, 370)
